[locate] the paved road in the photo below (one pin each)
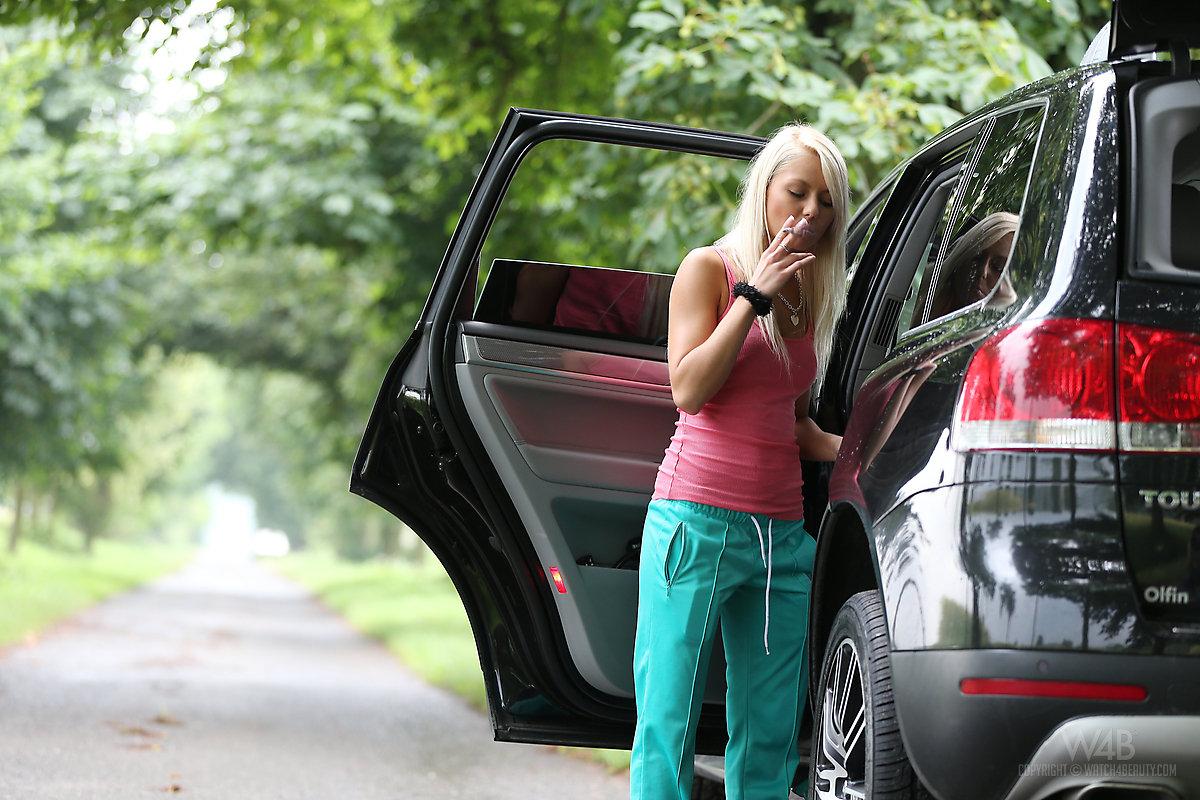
(224, 681)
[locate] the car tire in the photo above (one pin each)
(704, 789)
(856, 687)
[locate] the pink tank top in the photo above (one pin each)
(739, 450)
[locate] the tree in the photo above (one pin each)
(287, 222)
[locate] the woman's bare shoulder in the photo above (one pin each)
(705, 257)
(701, 277)
(703, 269)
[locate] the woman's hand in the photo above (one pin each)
(778, 264)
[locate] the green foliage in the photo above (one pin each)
(69, 307)
(880, 76)
(478, 57)
(1059, 30)
(100, 21)
(287, 222)
(276, 163)
(281, 450)
(169, 445)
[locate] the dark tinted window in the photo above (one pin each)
(609, 302)
(1165, 175)
(972, 260)
(582, 227)
(864, 231)
(1185, 203)
(914, 299)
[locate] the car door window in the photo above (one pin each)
(971, 265)
(924, 212)
(864, 225)
(589, 234)
(939, 204)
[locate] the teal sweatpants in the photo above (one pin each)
(700, 563)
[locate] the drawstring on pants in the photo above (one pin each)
(766, 557)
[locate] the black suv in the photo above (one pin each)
(1006, 598)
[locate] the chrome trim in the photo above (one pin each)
(540, 359)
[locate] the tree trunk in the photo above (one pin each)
(35, 515)
(51, 504)
(97, 525)
(389, 538)
(14, 533)
(414, 549)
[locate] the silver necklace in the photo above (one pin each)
(794, 311)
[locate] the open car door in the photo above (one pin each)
(519, 429)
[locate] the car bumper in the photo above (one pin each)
(996, 747)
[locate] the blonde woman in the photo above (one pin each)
(749, 334)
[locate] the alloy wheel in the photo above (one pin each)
(841, 756)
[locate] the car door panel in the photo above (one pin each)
(577, 442)
(521, 453)
(555, 444)
(563, 427)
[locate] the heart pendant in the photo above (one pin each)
(795, 320)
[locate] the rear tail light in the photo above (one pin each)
(1159, 390)
(1049, 385)
(1044, 385)
(557, 578)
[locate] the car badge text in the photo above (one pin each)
(1189, 501)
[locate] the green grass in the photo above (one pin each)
(416, 612)
(40, 585)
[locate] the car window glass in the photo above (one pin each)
(868, 230)
(918, 288)
(972, 265)
(1164, 175)
(588, 234)
(1185, 203)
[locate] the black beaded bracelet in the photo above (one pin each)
(759, 301)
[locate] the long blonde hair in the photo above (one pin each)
(824, 283)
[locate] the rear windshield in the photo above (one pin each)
(1185, 202)
(1167, 121)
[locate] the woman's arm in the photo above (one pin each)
(700, 352)
(815, 444)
